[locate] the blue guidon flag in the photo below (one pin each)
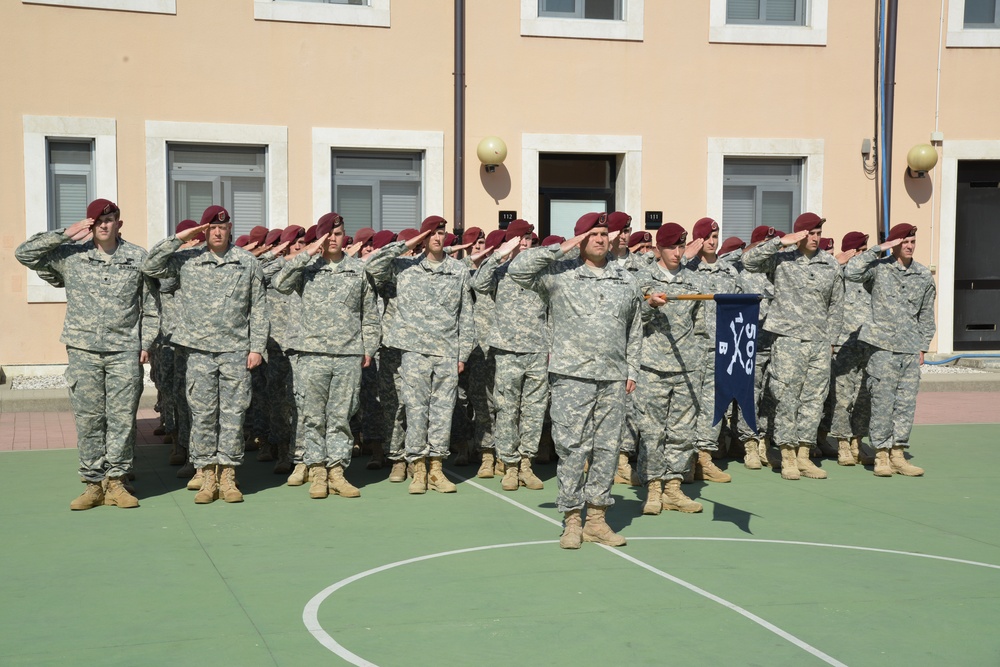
(735, 354)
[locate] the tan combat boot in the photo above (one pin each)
(882, 466)
(596, 529)
(116, 494)
(92, 496)
(789, 468)
(398, 471)
(510, 481)
(194, 484)
(419, 470)
(806, 467)
(486, 469)
(856, 449)
(208, 491)
(499, 467)
(339, 485)
(318, 487)
(705, 468)
(654, 504)
(298, 476)
(527, 477)
(900, 466)
(228, 489)
(675, 499)
(437, 480)
(572, 530)
(845, 457)
(623, 475)
(752, 458)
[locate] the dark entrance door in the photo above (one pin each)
(570, 185)
(977, 269)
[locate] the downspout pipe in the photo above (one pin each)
(459, 213)
(889, 92)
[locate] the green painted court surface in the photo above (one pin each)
(175, 583)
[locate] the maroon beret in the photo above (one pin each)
(553, 239)
(518, 228)
(258, 234)
(853, 241)
(348, 240)
(763, 233)
(639, 237)
(327, 223)
(383, 238)
(407, 234)
(185, 224)
(291, 233)
(588, 221)
(826, 244)
(704, 228)
(670, 234)
(496, 238)
(215, 215)
(450, 239)
(310, 235)
(901, 231)
(432, 223)
(274, 236)
(243, 240)
(99, 207)
(618, 221)
(364, 235)
(731, 244)
(472, 234)
(534, 239)
(808, 222)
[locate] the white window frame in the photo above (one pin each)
(628, 29)
(103, 131)
(327, 139)
(809, 150)
(160, 133)
(144, 6)
(811, 34)
(959, 37)
(374, 14)
(628, 185)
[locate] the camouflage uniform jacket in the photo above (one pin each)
(857, 309)
(634, 262)
(756, 283)
(339, 313)
(519, 318)
(673, 334)
(901, 317)
(168, 301)
(434, 309)
(110, 306)
(482, 308)
(222, 302)
(597, 326)
(283, 310)
(808, 292)
(718, 277)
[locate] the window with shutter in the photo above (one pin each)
(980, 14)
(377, 189)
(766, 12)
(70, 185)
(607, 10)
(760, 191)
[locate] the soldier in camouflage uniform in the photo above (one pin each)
(338, 334)
(367, 423)
(433, 326)
(597, 340)
(805, 317)
(110, 325)
(666, 396)
(256, 422)
(224, 326)
(519, 343)
(715, 277)
(900, 330)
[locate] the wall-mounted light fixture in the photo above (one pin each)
(492, 151)
(920, 160)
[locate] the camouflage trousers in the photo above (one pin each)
(848, 407)
(390, 396)
(799, 376)
(667, 408)
(331, 390)
(179, 389)
(472, 420)
(257, 414)
(162, 367)
(281, 412)
(630, 427)
(587, 420)
(763, 397)
(367, 421)
(297, 435)
(429, 387)
(218, 394)
(707, 434)
(522, 389)
(893, 380)
(104, 389)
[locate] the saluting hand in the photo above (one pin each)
(192, 232)
(80, 231)
(280, 248)
(418, 239)
(889, 245)
(569, 244)
(316, 247)
(507, 247)
(693, 248)
(845, 256)
(353, 249)
(793, 238)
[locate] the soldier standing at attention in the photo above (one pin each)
(111, 323)
(805, 317)
(433, 326)
(224, 327)
(597, 340)
(900, 330)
